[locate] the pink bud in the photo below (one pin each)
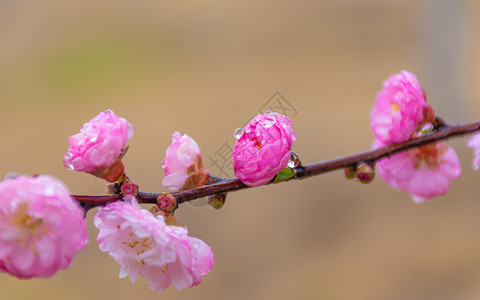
(41, 227)
(99, 147)
(167, 202)
(183, 164)
(263, 149)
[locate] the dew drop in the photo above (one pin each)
(268, 121)
(269, 112)
(12, 175)
(238, 133)
(69, 160)
(294, 160)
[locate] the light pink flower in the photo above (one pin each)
(99, 146)
(144, 245)
(263, 149)
(41, 227)
(183, 164)
(399, 109)
(474, 143)
(424, 172)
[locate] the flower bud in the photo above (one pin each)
(365, 172)
(128, 187)
(350, 172)
(167, 202)
(183, 164)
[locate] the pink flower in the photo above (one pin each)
(474, 143)
(144, 245)
(399, 109)
(183, 164)
(263, 149)
(99, 146)
(424, 172)
(41, 227)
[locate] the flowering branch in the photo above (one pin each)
(407, 154)
(442, 131)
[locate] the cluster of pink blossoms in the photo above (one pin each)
(400, 113)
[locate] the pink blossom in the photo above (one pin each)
(99, 146)
(474, 143)
(183, 164)
(144, 245)
(399, 109)
(41, 227)
(263, 149)
(424, 172)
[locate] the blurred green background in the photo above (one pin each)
(204, 68)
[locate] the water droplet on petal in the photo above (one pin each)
(268, 121)
(11, 175)
(294, 160)
(238, 133)
(69, 162)
(269, 112)
(109, 111)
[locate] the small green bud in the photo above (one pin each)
(350, 172)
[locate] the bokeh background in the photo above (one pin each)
(204, 68)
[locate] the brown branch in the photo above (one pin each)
(443, 132)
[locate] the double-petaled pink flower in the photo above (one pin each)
(424, 172)
(183, 164)
(41, 227)
(99, 146)
(263, 149)
(400, 109)
(144, 245)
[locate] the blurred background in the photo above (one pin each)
(205, 68)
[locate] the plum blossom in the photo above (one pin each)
(183, 164)
(474, 143)
(99, 146)
(41, 227)
(263, 149)
(424, 172)
(144, 245)
(400, 109)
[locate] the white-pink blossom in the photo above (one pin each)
(183, 164)
(41, 226)
(144, 245)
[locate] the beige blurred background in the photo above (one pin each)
(204, 68)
